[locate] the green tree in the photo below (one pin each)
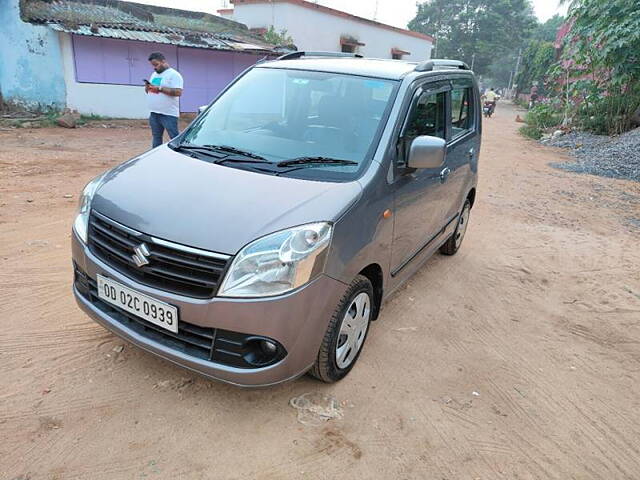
(547, 31)
(500, 71)
(475, 31)
(602, 54)
(537, 60)
(281, 38)
(537, 57)
(605, 34)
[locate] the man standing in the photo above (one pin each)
(163, 91)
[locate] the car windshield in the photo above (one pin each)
(283, 115)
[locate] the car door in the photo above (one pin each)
(463, 144)
(418, 198)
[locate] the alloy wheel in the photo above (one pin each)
(353, 330)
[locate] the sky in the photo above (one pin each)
(393, 12)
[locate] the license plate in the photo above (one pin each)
(151, 310)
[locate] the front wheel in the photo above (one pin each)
(452, 245)
(346, 333)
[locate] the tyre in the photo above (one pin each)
(346, 333)
(451, 246)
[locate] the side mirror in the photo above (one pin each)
(426, 152)
(202, 108)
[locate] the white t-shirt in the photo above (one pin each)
(160, 102)
(491, 96)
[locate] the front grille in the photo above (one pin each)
(169, 269)
(212, 344)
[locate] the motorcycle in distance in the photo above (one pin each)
(488, 108)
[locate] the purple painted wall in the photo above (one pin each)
(207, 72)
(124, 62)
(114, 61)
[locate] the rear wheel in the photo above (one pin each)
(452, 245)
(346, 333)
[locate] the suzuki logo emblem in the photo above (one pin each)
(140, 255)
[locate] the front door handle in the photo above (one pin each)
(444, 174)
(470, 153)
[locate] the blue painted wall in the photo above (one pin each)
(30, 61)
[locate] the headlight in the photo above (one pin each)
(81, 223)
(279, 262)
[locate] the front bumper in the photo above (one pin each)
(297, 321)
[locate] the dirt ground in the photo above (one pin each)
(519, 358)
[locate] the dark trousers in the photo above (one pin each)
(159, 123)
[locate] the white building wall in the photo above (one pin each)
(119, 101)
(317, 30)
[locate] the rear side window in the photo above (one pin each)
(461, 110)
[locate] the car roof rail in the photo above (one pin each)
(302, 53)
(436, 64)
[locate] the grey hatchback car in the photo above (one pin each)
(261, 242)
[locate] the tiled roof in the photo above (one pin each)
(134, 21)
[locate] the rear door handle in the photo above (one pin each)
(470, 153)
(444, 174)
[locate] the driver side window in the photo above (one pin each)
(426, 117)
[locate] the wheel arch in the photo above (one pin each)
(374, 273)
(471, 196)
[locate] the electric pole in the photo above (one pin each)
(515, 74)
(473, 60)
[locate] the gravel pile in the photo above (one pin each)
(616, 157)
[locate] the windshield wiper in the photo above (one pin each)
(197, 148)
(315, 161)
(240, 160)
(235, 151)
(223, 153)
